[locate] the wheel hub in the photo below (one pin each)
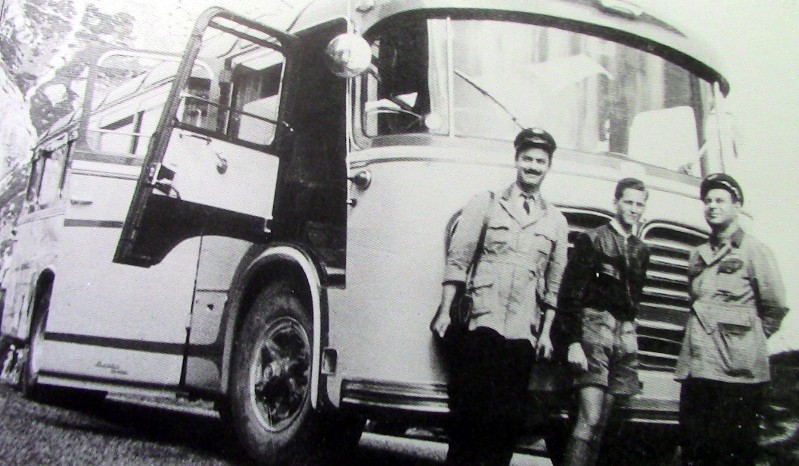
(280, 372)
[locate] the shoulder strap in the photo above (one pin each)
(478, 250)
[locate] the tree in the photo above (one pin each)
(63, 93)
(46, 47)
(32, 32)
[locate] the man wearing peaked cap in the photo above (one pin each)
(535, 137)
(721, 181)
(508, 252)
(738, 301)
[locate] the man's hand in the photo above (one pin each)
(543, 349)
(577, 359)
(440, 322)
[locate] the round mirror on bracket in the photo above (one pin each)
(348, 55)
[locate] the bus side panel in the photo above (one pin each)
(112, 321)
(34, 252)
(395, 263)
(219, 259)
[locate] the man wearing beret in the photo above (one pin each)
(737, 303)
(515, 288)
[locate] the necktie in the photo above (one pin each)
(526, 204)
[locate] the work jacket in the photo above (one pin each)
(737, 303)
(521, 264)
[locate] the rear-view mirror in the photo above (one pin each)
(348, 55)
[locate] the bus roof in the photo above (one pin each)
(601, 17)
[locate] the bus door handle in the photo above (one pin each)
(361, 180)
(221, 163)
(79, 201)
(205, 139)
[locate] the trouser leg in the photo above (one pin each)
(510, 370)
(719, 422)
(463, 354)
(694, 416)
(486, 394)
(738, 409)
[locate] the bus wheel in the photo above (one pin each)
(30, 370)
(270, 399)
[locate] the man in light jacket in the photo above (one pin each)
(515, 292)
(737, 303)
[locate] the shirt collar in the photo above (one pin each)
(516, 191)
(735, 239)
(620, 229)
(710, 256)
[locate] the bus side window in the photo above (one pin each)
(255, 105)
(122, 136)
(198, 110)
(47, 177)
(35, 180)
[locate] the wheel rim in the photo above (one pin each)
(279, 373)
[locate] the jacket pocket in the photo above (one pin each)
(498, 236)
(736, 340)
(483, 295)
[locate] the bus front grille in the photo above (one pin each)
(666, 301)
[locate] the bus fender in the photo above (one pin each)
(272, 263)
(37, 283)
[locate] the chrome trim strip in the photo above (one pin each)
(80, 222)
(420, 398)
(104, 174)
(130, 160)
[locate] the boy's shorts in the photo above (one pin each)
(611, 347)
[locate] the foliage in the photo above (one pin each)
(12, 193)
(96, 33)
(31, 33)
(46, 47)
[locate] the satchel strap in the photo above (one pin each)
(478, 251)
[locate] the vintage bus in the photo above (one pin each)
(276, 242)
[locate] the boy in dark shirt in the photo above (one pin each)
(599, 300)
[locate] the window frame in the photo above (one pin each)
(226, 101)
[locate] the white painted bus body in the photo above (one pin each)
(224, 209)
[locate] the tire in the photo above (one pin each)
(270, 398)
(30, 371)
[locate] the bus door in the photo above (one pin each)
(212, 166)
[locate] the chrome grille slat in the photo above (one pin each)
(667, 261)
(665, 292)
(669, 307)
(670, 277)
(670, 246)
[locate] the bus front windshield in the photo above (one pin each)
(486, 79)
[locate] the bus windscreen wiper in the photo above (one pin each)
(491, 97)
